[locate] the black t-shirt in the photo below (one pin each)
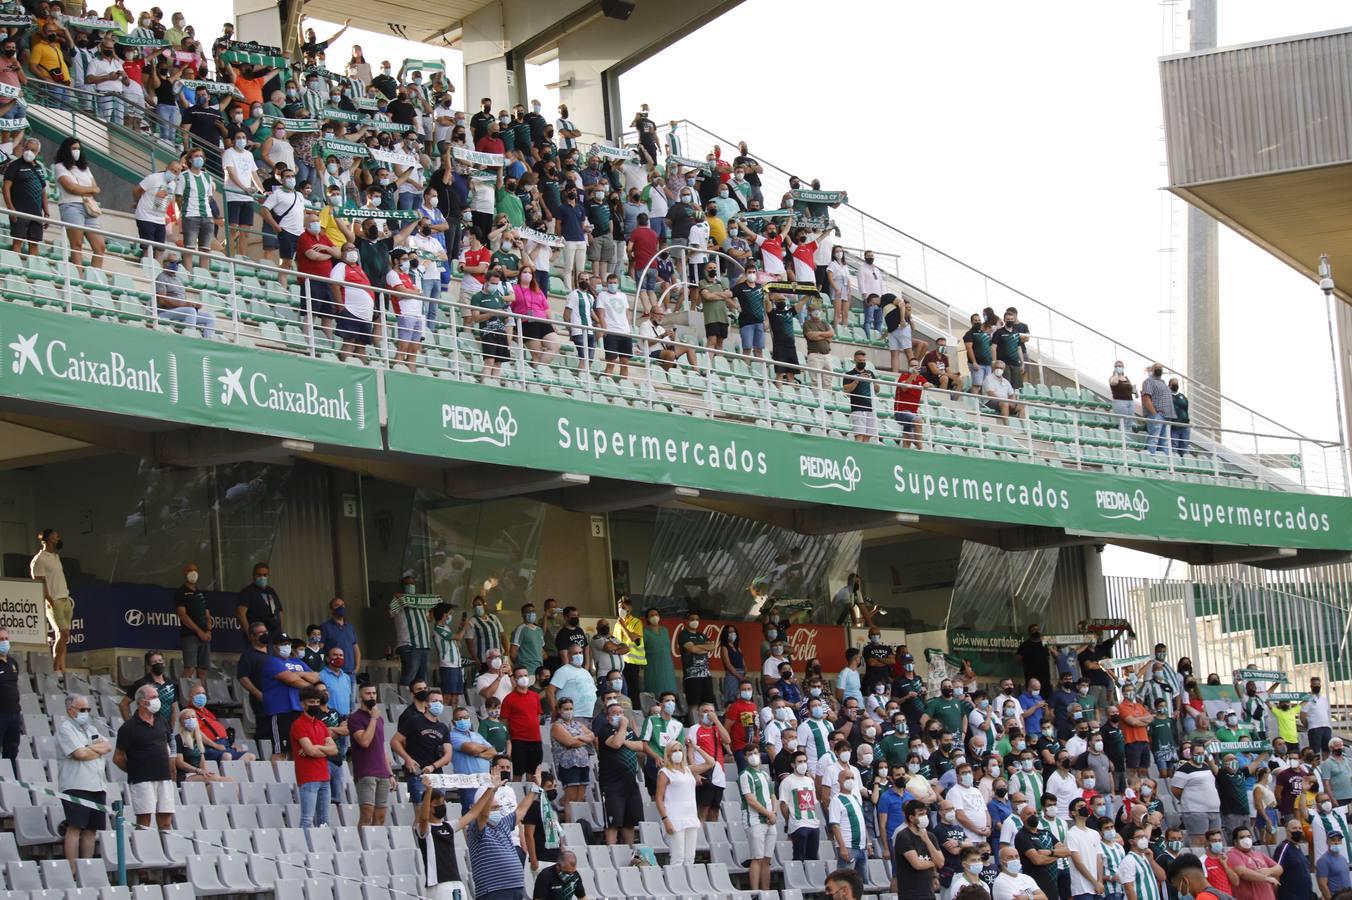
(478, 123)
(861, 398)
(536, 820)
(570, 636)
(204, 124)
(146, 748)
(1035, 656)
(615, 768)
(1025, 840)
(944, 832)
(537, 124)
(9, 686)
(261, 604)
(250, 666)
(194, 602)
(912, 884)
(555, 885)
(424, 738)
(402, 112)
(892, 314)
(680, 220)
(750, 304)
(1009, 346)
(1230, 787)
(752, 178)
(386, 85)
(28, 185)
(442, 839)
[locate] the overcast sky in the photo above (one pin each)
(1022, 139)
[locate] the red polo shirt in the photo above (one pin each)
(309, 768)
(521, 712)
(740, 717)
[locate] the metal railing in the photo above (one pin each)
(945, 291)
(253, 303)
(1235, 616)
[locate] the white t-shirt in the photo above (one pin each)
(408, 306)
(614, 311)
(1003, 700)
(82, 177)
(242, 162)
(1008, 830)
(771, 667)
(102, 65)
(699, 240)
(501, 691)
(1199, 791)
(648, 338)
(1089, 845)
(1008, 886)
(870, 280)
(968, 800)
(157, 191)
(1316, 710)
(357, 300)
(1063, 785)
(48, 565)
(800, 794)
(288, 208)
(999, 388)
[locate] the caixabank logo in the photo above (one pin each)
(33, 357)
(239, 387)
(829, 473)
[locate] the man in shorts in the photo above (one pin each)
(26, 192)
(490, 313)
(617, 752)
(859, 384)
(80, 773)
(46, 569)
(370, 761)
(611, 313)
(713, 298)
(143, 753)
(757, 791)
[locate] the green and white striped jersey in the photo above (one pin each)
(847, 814)
(1113, 854)
(755, 782)
(1137, 871)
(1030, 785)
(814, 736)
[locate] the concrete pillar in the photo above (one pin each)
(1095, 590)
(1204, 305)
(486, 47)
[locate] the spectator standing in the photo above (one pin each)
(339, 633)
(906, 407)
(838, 273)
(570, 637)
(1157, 405)
(194, 629)
(311, 747)
(579, 312)
(1315, 716)
(446, 640)
(26, 192)
(241, 187)
(422, 741)
(1180, 427)
(1295, 864)
(675, 798)
(283, 677)
(1258, 874)
(340, 686)
(1123, 394)
(978, 350)
(696, 678)
(521, 713)
(46, 569)
(259, 602)
(109, 79)
(152, 196)
(617, 773)
(370, 760)
(628, 630)
(573, 682)
(817, 335)
(196, 199)
(661, 672)
(284, 211)
(11, 710)
(1010, 341)
(1336, 771)
(858, 384)
(759, 815)
(81, 774)
(485, 630)
(611, 315)
(495, 680)
(797, 796)
(412, 636)
(143, 753)
(543, 839)
(249, 672)
(495, 860)
(165, 689)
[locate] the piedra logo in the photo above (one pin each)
(477, 426)
(1121, 505)
(112, 369)
(827, 473)
(236, 387)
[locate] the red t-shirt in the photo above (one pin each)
(319, 268)
(908, 393)
(309, 768)
(1215, 875)
(490, 144)
(645, 246)
(521, 712)
(740, 715)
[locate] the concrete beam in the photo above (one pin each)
(837, 519)
(205, 447)
(614, 496)
(489, 482)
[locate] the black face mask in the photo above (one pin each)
(420, 696)
(314, 712)
(1000, 792)
(157, 669)
(438, 810)
(573, 620)
(369, 704)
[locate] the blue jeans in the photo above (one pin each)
(201, 319)
(336, 769)
(1181, 436)
(416, 788)
(412, 665)
(1156, 436)
(110, 107)
(873, 319)
(858, 861)
(409, 201)
(314, 803)
(169, 117)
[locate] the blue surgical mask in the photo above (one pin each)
(199, 700)
(819, 712)
(495, 817)
(4, 648)
(261, 582)
(461, 725)
(576, 660)
(617, 684)
(669, 707)
(530, 618)
(410, 589)
(82, 718)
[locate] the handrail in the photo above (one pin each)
(1195, 384)
(1020, 440)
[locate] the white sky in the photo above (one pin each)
(1022, 139)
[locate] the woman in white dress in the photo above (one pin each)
(676, 804)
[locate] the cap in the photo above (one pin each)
(281, 638)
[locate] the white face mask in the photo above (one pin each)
(192, 577)
(677, 757)
(350, 257)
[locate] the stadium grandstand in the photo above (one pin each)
(410, 495)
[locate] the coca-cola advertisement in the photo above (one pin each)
(825, 643)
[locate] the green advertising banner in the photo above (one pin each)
(74, 361)
(991, 653)
(437, 417)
